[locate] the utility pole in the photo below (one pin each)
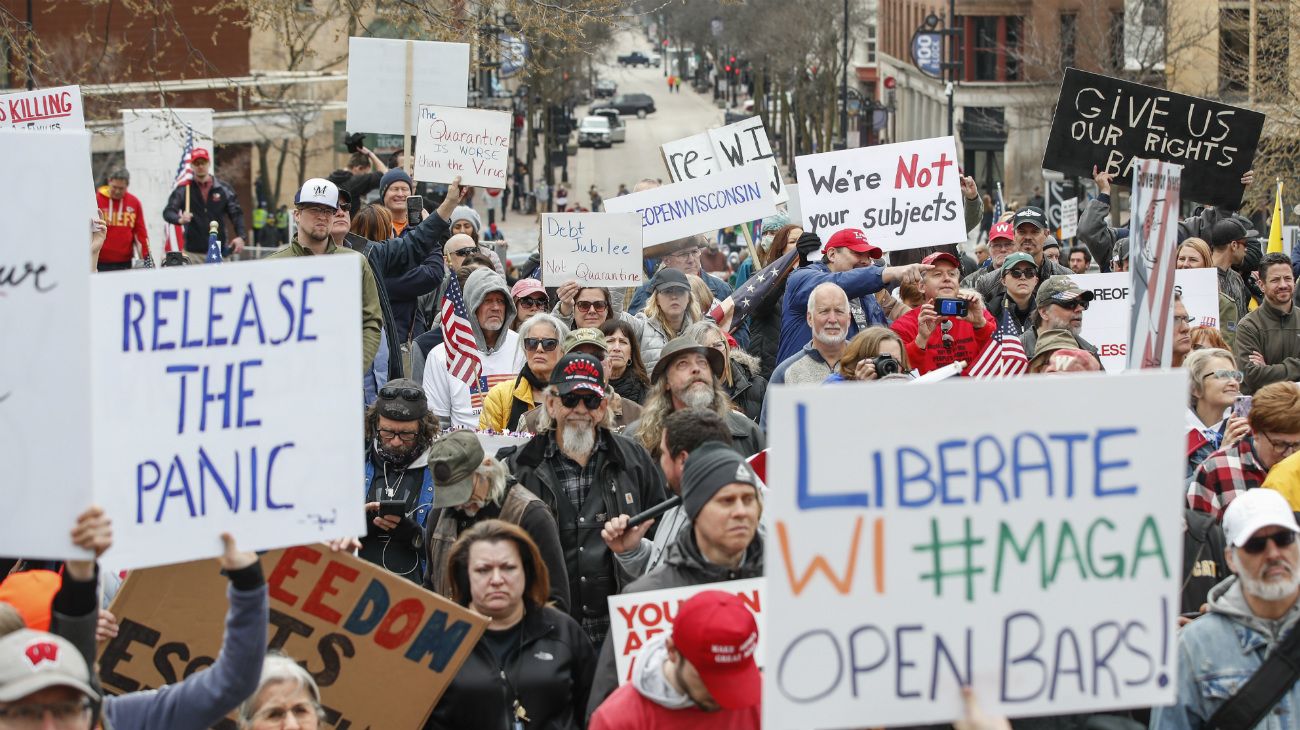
(952, 61)
(31, 34)
(844, 81)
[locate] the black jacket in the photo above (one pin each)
(1203, 562)
(628, 481)
(220, 203)
(550, 674)
(747, 391)
(765, 330)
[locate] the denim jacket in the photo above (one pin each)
(1217, 654)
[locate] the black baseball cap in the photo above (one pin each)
(579, 371)
(1233, 228)
(1030, 215)
(667, 278)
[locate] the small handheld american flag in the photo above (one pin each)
(998, 206)
(1004, 355)
(463, 360)
(175, 232)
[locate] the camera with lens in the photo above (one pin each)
(354, 142)
(887, 365)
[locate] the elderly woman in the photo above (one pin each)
(286, 697)
(740, 375)
(507, 402)
(1215, 385)
(859, 359)
(534, 665)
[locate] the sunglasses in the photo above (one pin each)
(1257, 545)
(589, 306)
(389, 392)
(1023, 274)
(1235, 375)
(464, 252)
(1072, 304)
(548, 344)
(534, 302)
(945, 326)
(590, 400)
(344, 207)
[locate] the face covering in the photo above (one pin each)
(399, 458)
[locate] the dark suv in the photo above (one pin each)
(628, 104)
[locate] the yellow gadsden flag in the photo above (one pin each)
(1275, 230)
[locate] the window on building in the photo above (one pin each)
(1069, 32)
(992, 43)
(1234, 51)
(871, 44)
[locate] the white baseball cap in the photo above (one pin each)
(318, 191)
(1254, 509)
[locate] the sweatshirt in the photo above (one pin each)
(967, 342)
(125, 219)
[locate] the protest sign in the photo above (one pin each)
(1106, 323)
(1153, 244)
(225, 400)
(380, 81)
(154, 140)
(635, 618)
(1069, 218)
(593, 249)
(901, 195)
(724, 148)
(348, 621)
(1107, 122)
(44, 312)
(705, 204)
(471, 143)
(43, 110)
(939, 556)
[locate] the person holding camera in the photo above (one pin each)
(873, 354)
(951, 325)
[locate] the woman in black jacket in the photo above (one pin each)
(534, 664)
(740, 375)
(765, 321)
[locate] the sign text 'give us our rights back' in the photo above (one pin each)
(1034, 553)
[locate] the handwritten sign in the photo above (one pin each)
(901, 195)
(1069, 218)
(943, 555)
(705, 204)
(377, 81)
(472, 143)
(347, 620)
(43, 110)
(593, 249)
(1106, 323)
(153, 140)
(44, 315)
(635, 618)
(724, 148)
(1109, 122)
(224, 401)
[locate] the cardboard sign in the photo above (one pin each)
(377, 81)
(1108, 122)
(901, 195)
(724, 148)
(945, 554)
(593, 249)
(1153, 247)
(43, 110)
(1106, 323)
(471, 143)
(153, 140)
(347, 621)
(1069, 218)
(725, 198)
(226, 399)
(44, 315)
(637, 617)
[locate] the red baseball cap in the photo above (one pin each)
(854, 240)
(200, 154)
(1002, 230)
(938, 256)
(718, 635)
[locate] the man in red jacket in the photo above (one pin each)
(934, 340)
(703, 676)
(125, 218)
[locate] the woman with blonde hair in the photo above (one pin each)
(1194, 253)
(1215, 383)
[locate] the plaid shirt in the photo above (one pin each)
(576, 483)
(1222, 475)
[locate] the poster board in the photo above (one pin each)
(1069, 218)
(471, 143)
(702, 205)
(593, 249)
(902, 195)
(226, 398)
(1153, 245)
(153, 140)
(724, 148)
(1106, 323)
(346, 620)
(377, 82)
(1108, 122)
(44, 315)
(57, 109)
(941, 556)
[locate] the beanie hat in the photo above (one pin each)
(708, 469)
(31, 593)
(466, 213)
(396, 174)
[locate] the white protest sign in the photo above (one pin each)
(377, 81)
(635, 618)
(593, 249)
(1153, 244)
(44, 314)
(946, 554)
(1069, 218)
(705, 204)
(724, 148)
(689, 157)
(471, 143)
(154, 140)
(43, 110)
(1105, 324)
(902, 195)
(226, 399)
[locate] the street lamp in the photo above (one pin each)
(844, 80)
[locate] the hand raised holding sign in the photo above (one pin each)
(968, 187)
(456, 195)
(233, 558)
(93, 532)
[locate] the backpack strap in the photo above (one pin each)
(1265, 688)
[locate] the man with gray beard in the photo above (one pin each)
(1242, 647)
(586, 475)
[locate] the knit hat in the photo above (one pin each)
(774, 223)
(466, 213)
(708, 469)
(402, 399)
(31, 592)
(395, 174)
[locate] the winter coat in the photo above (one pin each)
(549, 674)
(220, 203)
(651, 335)
(719, 288)
(990, 286)
(747, 390)
(857, 284)
(1274, 335)
(1204, 565)
(502, 401)
(765, 330)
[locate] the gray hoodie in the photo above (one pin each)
(1227, 600)
(479, 284)
(648, 676)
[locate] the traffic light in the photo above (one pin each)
(732, 60)
(665, 43)
(728, 68)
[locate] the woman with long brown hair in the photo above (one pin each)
(627, 374)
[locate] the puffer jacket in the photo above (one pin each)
(651, 336)
(503, 400)
(747, 388)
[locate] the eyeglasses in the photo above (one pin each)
(1235, 375)
(1186, 319)
(407, 437)
(686, 253)
(1283, 448)
(316, 210)
(464, 252)
(945, 326)
(589, 306)
(304, 713)
(389, 392)
(1072, 304)
(1023, 274)
(33, 715)
(534, 302)
(548, 344)
(590, 400)
(1257, 545)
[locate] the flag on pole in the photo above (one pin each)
(463, 360)
(755, 289)
(1275, 229)
(174, 234)
(1004, 355)
(998, 206)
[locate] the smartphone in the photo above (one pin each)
(1241, 406)
(392, 508)
(950, 307)
(414, 209)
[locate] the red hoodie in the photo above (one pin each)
(627, 709)
(125, 220)
(967, 342)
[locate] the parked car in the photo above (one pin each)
(635, 58)
(654, 59)
(594, 131)
(617, 127)
(627, 104)
(605, 89)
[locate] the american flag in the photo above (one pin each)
(998, 205)
(759, 286)
(463, 360)
(1004, 355)
(175, 233)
